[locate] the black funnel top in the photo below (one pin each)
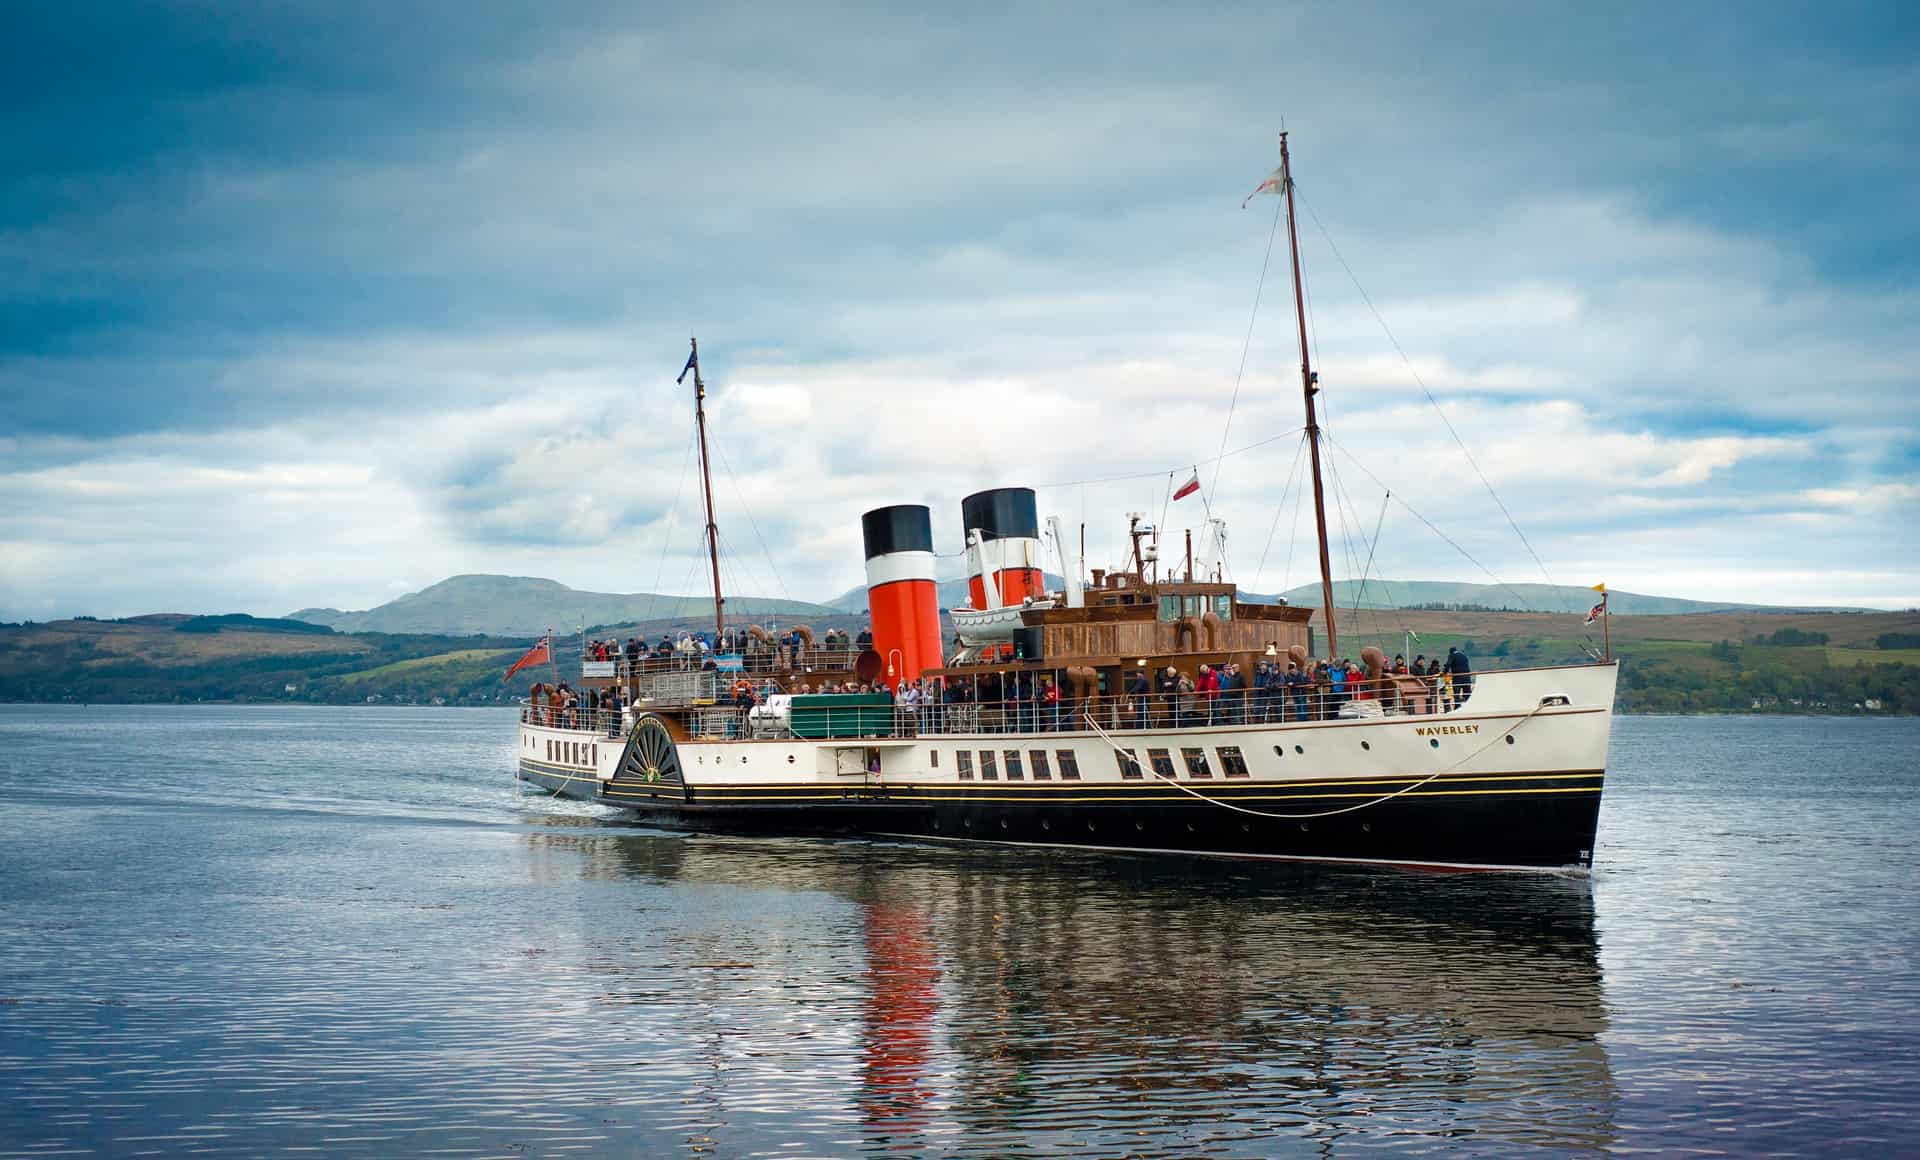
(906, 527)
(1002, 514)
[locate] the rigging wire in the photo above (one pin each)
(1299, 452)
(1375, 614)
(778, 579)
(666, 540)
(1448, 423)
(1498, 583)
(1254, 446)
(1246, 345)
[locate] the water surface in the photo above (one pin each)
(235, 930)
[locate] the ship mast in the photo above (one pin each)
(706, 492)
(1310, 385)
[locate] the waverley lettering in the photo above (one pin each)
(1438, 730)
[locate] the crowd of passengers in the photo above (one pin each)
(757, 650)
(564, 707)
(1218, 695)
(1273, 692)
(1226, 694)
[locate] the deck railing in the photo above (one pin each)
(579, 719)
(1146, 713)
(1116, 714)
(754, 660)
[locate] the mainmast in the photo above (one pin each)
(706, 491)
(1310, 384)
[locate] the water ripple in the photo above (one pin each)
(235, 930)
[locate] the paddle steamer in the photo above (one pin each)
(1033, 729)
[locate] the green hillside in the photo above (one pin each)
(526, 606)
(1724, 662)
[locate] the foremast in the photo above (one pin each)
(706, 491)
(1310, 386)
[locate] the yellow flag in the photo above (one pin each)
(1600, 587)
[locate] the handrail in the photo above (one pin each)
(578, 719)
(759, 660)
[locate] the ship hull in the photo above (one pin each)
(1545, 821)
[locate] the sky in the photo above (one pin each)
(318, 304)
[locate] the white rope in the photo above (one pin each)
(1104, 736)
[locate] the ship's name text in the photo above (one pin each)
(1439, 730)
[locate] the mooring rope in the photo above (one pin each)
(1117, 748)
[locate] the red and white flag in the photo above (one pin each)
(1276, 182)
(539, 654)
(1596, 612)
(1189, 487)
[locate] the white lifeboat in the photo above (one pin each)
(976, 626)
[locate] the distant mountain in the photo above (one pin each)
(526, 606)
(1522, 598)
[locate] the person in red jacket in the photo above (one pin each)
(1208, 686)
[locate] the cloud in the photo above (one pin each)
(293, 310)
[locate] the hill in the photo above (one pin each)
(1718, 662)
(172, 658)
(526, 606)
(1521, 598)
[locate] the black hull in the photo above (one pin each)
(1542, 821)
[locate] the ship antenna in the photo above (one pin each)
(706, 492)
(1310, 385)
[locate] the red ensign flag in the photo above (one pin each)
(539, 654)
(1189, 487)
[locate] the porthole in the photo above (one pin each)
(1089, 827)
(1509, 739)
(1366, 745)
(789, 759)
(1045, 824)
(1003, 823)
(1245, 828)
(1299, 749)
(743, 759)
(1140, 826)
(1279, 751)
(1434, 741)
(1366, 827)
(1303, 827)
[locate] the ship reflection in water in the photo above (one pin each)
(999, 1000)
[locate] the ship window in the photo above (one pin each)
(1193, 605)
(933, 758)
(1196, 760)
(963, 764)
(1012, 765)
(1038, 759)
(1223, 606)
(1162, 760)
(1231, 763)
(1069, 765)
(1169, 608)
(987, 770)
(1129, 764)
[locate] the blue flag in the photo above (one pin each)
(683, 370)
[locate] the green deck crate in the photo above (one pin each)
(818, 715)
